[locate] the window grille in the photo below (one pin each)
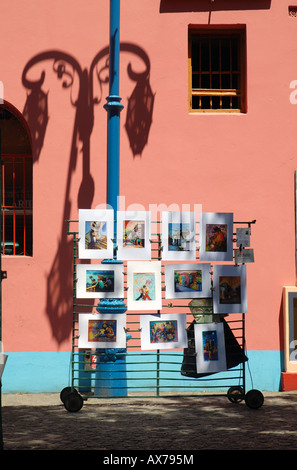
(217, 70)
(17, 205)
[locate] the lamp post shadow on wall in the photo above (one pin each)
(137, 126)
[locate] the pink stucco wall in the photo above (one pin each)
(228, 163)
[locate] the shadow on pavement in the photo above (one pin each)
(208, 423)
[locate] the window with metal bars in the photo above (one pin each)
(217, 78)
(16, 185)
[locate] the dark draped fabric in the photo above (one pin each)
(234, 352)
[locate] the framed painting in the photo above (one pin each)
(100, 281)
(178, 236)
(216, 236)
(210, 347)
(163, 331)
(187, 281)
(133, 235)
(96, 232)
(101, 331)
(144, 285)
(229, 294)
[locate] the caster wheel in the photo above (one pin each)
(73, 402)
(254, 399)
(235, 394)
(66, 392)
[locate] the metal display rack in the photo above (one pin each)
(132, 372)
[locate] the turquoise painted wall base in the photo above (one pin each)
(50, 372)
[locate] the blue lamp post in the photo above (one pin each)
(113, 108)
(112, 366)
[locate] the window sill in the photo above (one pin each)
(217, 113)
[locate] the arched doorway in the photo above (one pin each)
(16, 183)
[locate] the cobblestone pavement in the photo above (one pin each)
(41, 422)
